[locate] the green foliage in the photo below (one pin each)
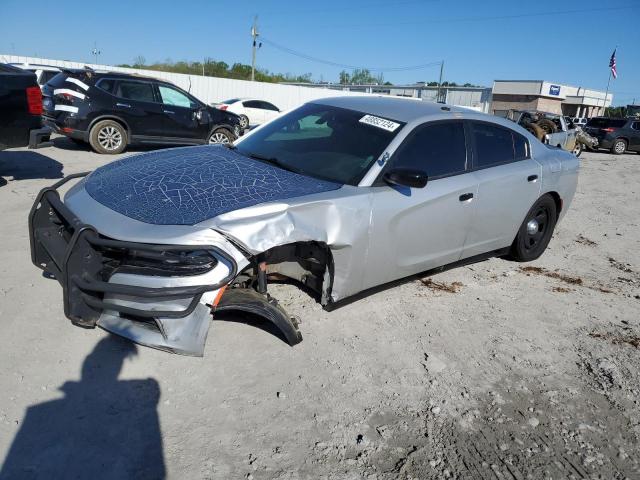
(615, 112)
(360, 76)
(213, 68)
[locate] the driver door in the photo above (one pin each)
(417, 229)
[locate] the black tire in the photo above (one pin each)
(529, 244)
(577, 150)
(108, 137)
(619, 146)
(218, 136)
(536, 131)
(244, 122)
(547, 125)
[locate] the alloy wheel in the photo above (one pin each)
(109, 138)
(219, 137)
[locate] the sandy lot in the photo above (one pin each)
(496, 370)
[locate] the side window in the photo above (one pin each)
(138, 91)
(171, 96)
(269, 106)
(252, 104)
(438, 149)
(494, 145)
(106, 84)
(520, 146)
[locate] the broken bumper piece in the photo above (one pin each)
(156, 295)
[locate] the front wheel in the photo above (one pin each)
(577, 150)
(619, 146)
(244, 122)
(222, 136)
(536, 230)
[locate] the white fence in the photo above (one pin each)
(207, 89)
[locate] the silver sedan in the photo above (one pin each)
(339, 196)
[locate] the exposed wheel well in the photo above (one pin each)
(308, 264)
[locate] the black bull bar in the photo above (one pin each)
(82, 261)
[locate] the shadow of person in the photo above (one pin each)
(102, 427)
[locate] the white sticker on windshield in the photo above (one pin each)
(380, 122)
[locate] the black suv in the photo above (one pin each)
(112, 110)
(616, 134)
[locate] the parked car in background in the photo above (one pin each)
(112, 110)
(43, 73)
(252, 112)
(549, 128)
(338, 196)
(20, 108)
(579, 121)
(615, 134)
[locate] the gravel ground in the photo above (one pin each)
(496, 370)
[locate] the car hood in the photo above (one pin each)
(186, 186)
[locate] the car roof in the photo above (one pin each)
(397, 108)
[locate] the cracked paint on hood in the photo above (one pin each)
(185, 186)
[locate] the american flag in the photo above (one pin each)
(612, 65)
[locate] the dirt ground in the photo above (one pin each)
(496, 370)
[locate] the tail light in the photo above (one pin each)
(223, 107)
(34, 100)
(608, 130)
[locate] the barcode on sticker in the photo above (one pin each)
(380, 122)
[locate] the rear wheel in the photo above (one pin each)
(108, 137)
(619, 146)
(222, 136)
(536, 230)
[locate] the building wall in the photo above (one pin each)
(515, 102)
(208, 89)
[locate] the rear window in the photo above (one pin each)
(58, 80)
(106, 84)
(139, 91)
(606, 123)
(494, 145)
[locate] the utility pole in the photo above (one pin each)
(440, 81)
(254, 35)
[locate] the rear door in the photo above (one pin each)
(269, 111)
(508, 185)
(180, 113)
(139, 106)
(416, 229)
(254, 111)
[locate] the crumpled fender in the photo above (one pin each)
(340, 221)
(246, 300)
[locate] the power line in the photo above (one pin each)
(344, 65)
(480, 19)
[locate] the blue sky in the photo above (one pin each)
(479, 40)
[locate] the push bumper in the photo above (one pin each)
(153, 294)
(107, 282)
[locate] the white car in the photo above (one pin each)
(44, 73)
(252, 112)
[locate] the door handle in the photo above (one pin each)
(126, 105)
(532, 178)
(466, 196)
(169, 111)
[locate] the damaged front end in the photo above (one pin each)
(157, 295)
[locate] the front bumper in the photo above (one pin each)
(147, 292)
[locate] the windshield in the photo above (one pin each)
(321, 141)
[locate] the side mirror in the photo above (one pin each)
(406, 177)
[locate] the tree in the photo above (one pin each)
(345, 78)
(139, 62)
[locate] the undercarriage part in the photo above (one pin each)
(264, 306)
